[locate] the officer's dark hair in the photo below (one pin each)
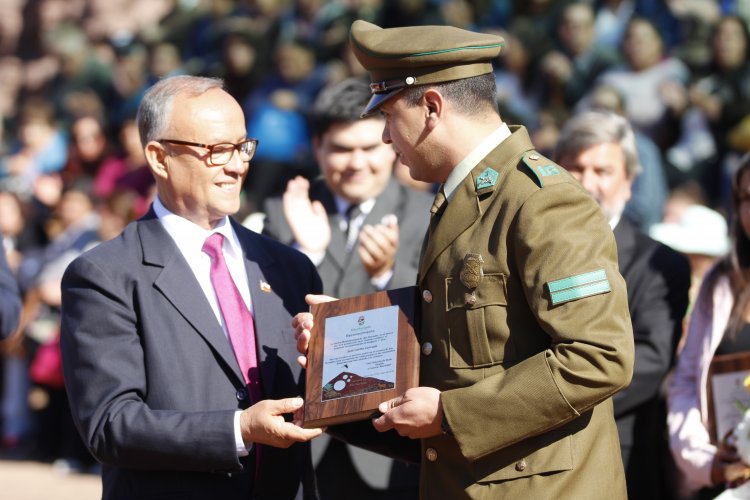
(342, 102)
(473, 96)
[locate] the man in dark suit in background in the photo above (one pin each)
(357, 224)
(363, 230)
(178, 356)
(598, 148)
(10, 300)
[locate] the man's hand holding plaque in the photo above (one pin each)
(359, 352)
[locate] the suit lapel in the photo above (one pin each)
(385, 203)
(467, 205)
(179, 286)
(625, 239)
(337, 248)
(462, 211)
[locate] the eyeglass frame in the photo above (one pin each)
(211, 147)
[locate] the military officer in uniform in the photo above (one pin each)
(524, 327)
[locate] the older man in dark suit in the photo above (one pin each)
(179, 359)
(10, 301)
(598, 148)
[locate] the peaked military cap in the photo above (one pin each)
(418, 55)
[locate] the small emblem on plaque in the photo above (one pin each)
(472, 273)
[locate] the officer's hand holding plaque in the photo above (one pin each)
(363, 351)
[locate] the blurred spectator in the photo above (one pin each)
(88, 148)
(22, 228)
(649, 189)
(652, 84)
(24, 235)
(321, 23)
(612, 18)
(164, 59)
(722, 95)
(241, 64)
(130, 82)
(275, 111)
(127, 172)
(701, 234)
(598, 149)
(10, 300)
(11, 82)
(519, 93)
(571, 71)
(718, 325)
(41, 149)
(71, 229)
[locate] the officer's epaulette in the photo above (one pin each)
(544, 170)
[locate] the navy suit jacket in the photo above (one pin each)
(658, 280)
(152, 379)
(10, 300)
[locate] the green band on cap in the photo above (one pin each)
(578, 286)
(444, 51)
(434, 74)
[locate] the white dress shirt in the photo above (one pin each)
(189, 238)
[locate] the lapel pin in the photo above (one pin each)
(265, 287)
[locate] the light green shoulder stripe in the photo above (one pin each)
(578, 286)
(544, 170)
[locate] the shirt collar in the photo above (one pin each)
(471, 160)
(189, 236)
(342, 205)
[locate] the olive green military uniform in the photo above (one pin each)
(527, 382)
(524, 318)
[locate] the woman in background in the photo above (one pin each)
(719, 325)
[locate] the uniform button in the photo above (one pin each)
(241, 394)
(533, 156)
(427, 296)
(521, 465)
(431, 454)
(427, 348)
(471, 299)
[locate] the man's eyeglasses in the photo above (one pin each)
(221, 154)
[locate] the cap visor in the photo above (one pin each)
(376, 100)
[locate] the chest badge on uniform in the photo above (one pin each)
(471, 272)
(486, 179)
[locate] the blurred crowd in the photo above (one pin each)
(72, 172)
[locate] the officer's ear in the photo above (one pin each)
(434, 103)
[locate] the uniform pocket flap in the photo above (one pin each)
(491, 291)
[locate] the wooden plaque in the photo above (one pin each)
(726, 393)
(363, 351)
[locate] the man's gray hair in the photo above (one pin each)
(591, 128)
(155, 110)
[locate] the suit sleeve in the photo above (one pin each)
(559, 233)
(657, 313)
(413, 223)
(10, 300)
(105, 376)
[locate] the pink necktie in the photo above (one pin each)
(237, 317)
